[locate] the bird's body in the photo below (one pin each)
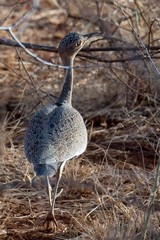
(57, 132)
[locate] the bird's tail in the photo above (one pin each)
(45, 169)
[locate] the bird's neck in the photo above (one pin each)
(66, 92)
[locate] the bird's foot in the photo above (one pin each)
(50, 221)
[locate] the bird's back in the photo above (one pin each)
(55, 134)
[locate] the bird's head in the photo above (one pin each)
(71, 44)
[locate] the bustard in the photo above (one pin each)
(57, 133)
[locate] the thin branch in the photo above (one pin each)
(32, 54)
(11, 43)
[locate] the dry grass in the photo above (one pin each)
(106, 191)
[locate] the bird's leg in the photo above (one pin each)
(49, 190)
(58, 177)
(51, 216)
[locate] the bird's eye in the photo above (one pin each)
(77, 44)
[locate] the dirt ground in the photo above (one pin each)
(107, 191)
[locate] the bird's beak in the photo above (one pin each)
(94, 36)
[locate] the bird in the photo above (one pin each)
(57, 132)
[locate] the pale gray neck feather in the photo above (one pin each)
(66, 92)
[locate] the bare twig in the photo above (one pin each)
(8, 42)
(32, 54)
(11, 43)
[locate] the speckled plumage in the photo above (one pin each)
(55, 134)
